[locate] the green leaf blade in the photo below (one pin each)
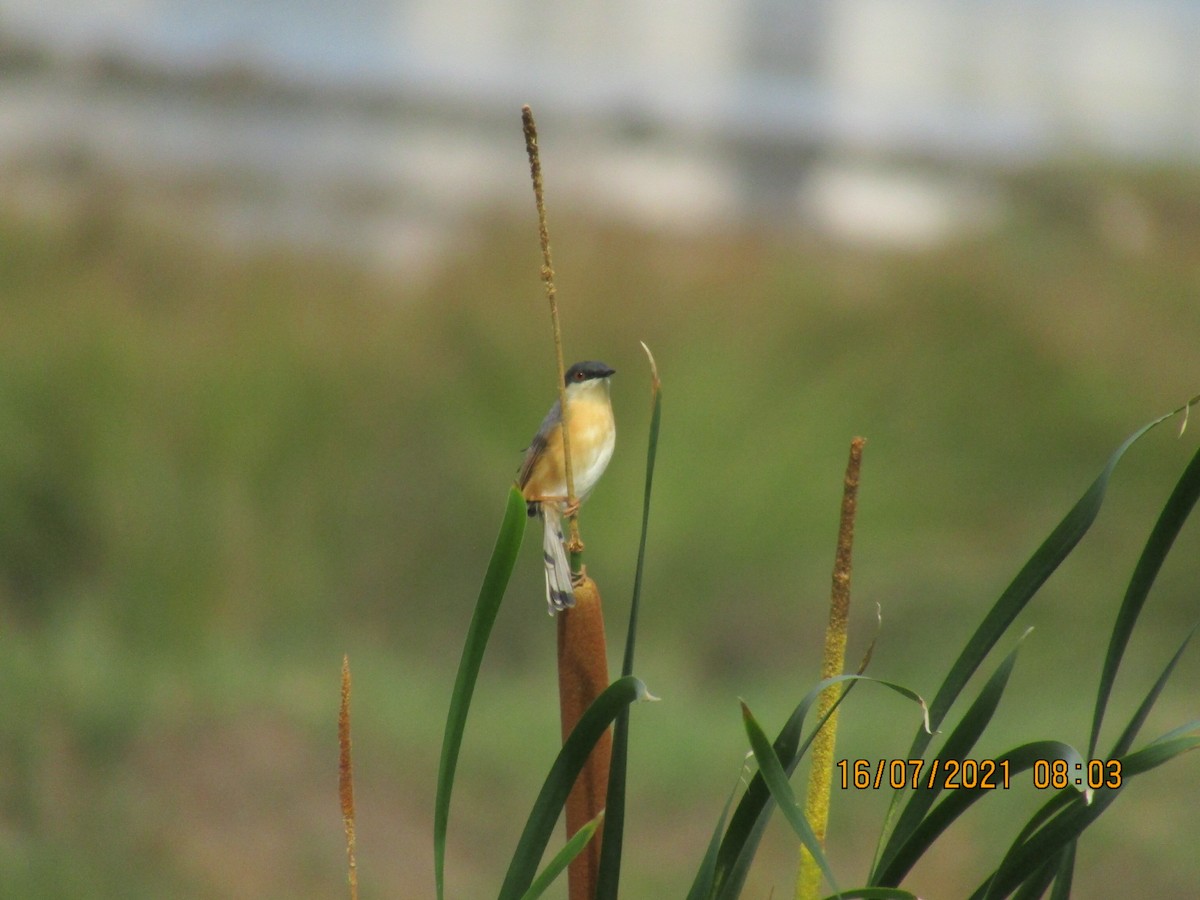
(931, 827)
(957, 746)
(608, 875)
(487, 605)
(770, 767)
(753, 811)
(1045, 560)
(559, 780)
(562, 859)
(1162, 538)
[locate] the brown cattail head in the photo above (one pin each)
(582, 676)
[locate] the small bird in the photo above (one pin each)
(543, 479)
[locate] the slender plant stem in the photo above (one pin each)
(535, 173)
(346, 778)
(582, 655)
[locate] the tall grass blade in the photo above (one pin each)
(752, 813)
(1033, 848)
(553, 795)
(1048, 811)
(608, 875)
(651, 455)
(1065, 875)
(1176, 511)
(781, 790)
(750, 818)
(491, 592)
(1018, 760)
(1163, 750)
(706, 875)
(1162, 537)
(1045, 560)
(562, 859)
(1025, 859)
(1035, 886)
(957, 746)
(873, 893)
(1028, 581)
(1129, 734)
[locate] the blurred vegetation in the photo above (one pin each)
(221, 470)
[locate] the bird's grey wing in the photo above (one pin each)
(538, 445)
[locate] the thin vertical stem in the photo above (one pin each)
(535, 173)
(346, 778)
(582, 655)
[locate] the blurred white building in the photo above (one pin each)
(675, 113)
(957, 76)
(748, 103)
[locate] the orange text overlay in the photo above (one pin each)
(975, 774)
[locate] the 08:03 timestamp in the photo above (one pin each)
(974, 774)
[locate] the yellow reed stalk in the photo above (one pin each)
(820, 776)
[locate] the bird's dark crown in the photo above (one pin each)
(588, 370)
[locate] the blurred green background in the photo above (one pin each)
(220, 470)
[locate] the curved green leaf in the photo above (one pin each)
(781, 789)
(561, 777)
(608, 875)
(491, 592)
(753, 811)
(1125, 741)
(1045, 813)
(1018, 760)
(750, 818)
(706, 875)
(1178, 507)
(1034, 887)
(1072, 813)
(1161, 751)
(1028, 581)
(562, 859)
(957, 746)
(1065, 874)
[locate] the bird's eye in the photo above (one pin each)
(579, 376)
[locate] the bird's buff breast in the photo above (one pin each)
(593, 437)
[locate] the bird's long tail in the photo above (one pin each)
(558, 570)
